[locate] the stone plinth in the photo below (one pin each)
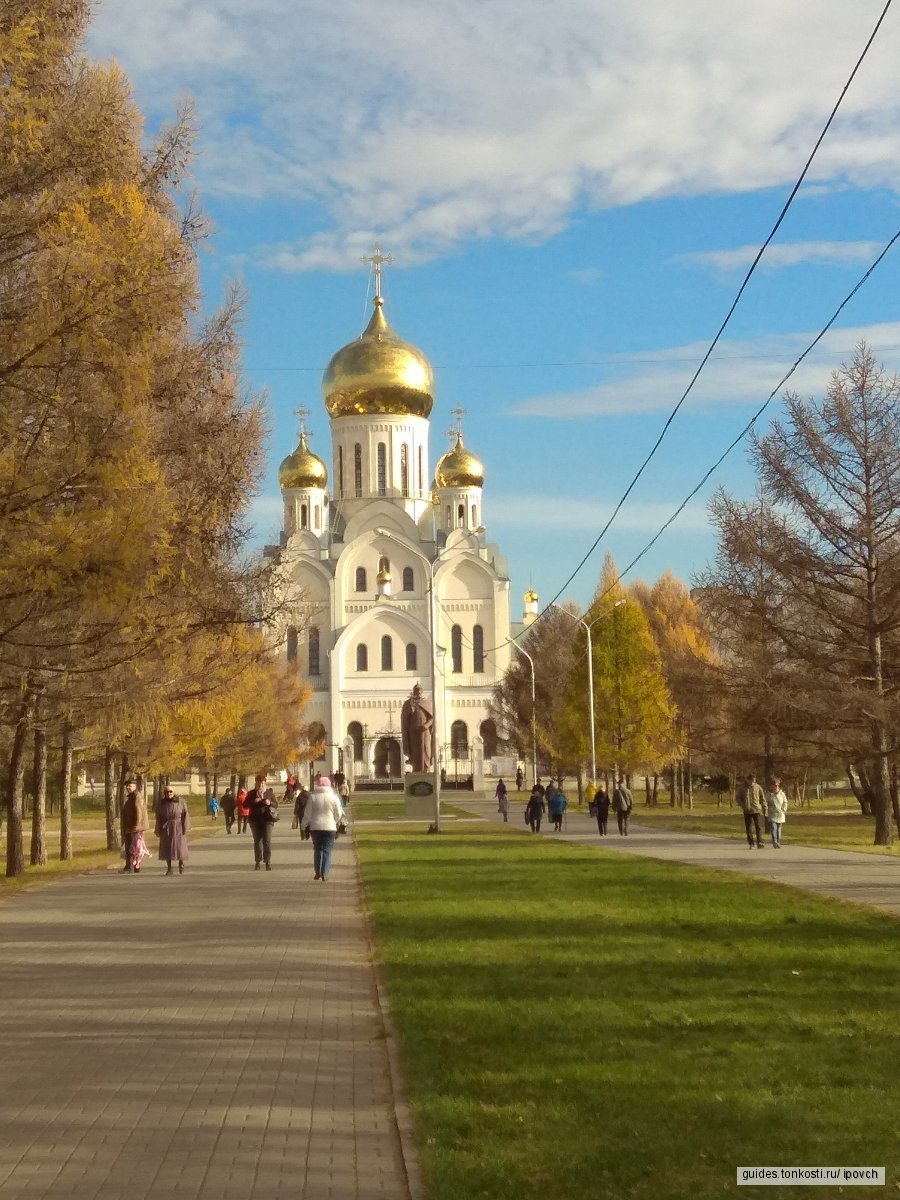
(418, 788)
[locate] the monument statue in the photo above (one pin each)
(417, 725)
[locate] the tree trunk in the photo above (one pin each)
(39, 807)
(15, 854)
(112, 832)
(233, 782)
(690, 783)
(655, 790)
(207, 788)
(860, 790)
(124, 772)
(65, 805)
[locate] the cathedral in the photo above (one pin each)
(387, 573)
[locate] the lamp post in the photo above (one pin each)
(533, 712)
(432, 637)
(587, 626)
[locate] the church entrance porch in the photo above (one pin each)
(387, 761)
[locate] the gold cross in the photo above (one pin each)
(303, 413)
(378, 260)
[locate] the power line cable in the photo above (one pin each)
(731, 310)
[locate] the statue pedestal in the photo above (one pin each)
(418, 788)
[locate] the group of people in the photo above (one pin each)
(622, 803)
(550, 800)
(758, 806)
(318, 814)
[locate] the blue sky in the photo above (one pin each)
(571, 194)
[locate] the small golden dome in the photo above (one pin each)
(302, 469)
(383, 576)
(378, 373)
(459, 468)
(531, 596)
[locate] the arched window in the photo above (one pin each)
(449, 517)
(404, 470)
(488, 731)
(292, 644)
(459, 740)
(456, 648)
(421, 473)
(355, 731)
(411, 657)
(304, 519)
(478, 648)
(474, 517)
(407, 579)
(340, 470)
(314, 650)
(461, 515)
(317, 517)
(361, 579)
(384, 563)
(387, 653)
(357, 468)
(362, 657)
(382, 469)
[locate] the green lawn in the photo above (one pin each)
(582, 1025)
(368, 806)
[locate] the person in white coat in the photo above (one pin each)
(776, 810)
(322, 816)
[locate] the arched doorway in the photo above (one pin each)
(387, 758)
(488, 731)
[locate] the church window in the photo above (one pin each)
(404, 470)
(292, 644)
(357, 468)
(461, 515)
(314, 650)
(411, 657)
(459, 740)
(387, 653)
(384, 563)
(317, 517)
(474, 517)
(382, 469)
(421, 473)
(355, 731)
(478, 648)
(362, 657)
(340, 470)
(449, 517)
(361, 579)
(488, 732)
(304, 522)
(456, 648)
(407, 579)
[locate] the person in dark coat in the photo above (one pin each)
(534, 809)
(134, 824)
(173, 823)
(263, 809)
(301, 799)
(623, 803)
(228, 807)
(601, 809)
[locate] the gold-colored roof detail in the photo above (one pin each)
(531, 596)
(459, 468)
(384, 576)
(378, 374)
(302, 469)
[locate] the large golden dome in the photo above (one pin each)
(459, 468)
(378, 373)
(303, 469)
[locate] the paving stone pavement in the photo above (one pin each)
(218, 1035)
(869, 879)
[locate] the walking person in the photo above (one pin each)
(534, 809)
(134, 823)
(173, 824)
(776, 810)
(228, 807)
(214, 807)
(322, 816)
(601, 809)
(502, 799)
(556, 807)
(263, 813)
(752, 802)
(622, 803)
(243, 812)
(520, 778)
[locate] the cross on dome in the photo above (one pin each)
(303, 414)
(378, 260)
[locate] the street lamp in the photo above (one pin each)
(432, 636)
(588, 626)
(533, 711)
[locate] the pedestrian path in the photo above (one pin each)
(218, 1035)
(870, 879)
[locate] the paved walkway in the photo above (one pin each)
(870, 879)
(214, 1036)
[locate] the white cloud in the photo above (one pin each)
(434, 122)
(739, 373)
(788, 254)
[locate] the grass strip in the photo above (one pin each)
(579, 1024)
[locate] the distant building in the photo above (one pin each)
(355, 565)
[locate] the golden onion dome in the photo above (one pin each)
(383, 576)
(531, 596)
(378, 374)
(459, 468)
(302, 469)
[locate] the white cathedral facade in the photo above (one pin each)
(361, 549)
